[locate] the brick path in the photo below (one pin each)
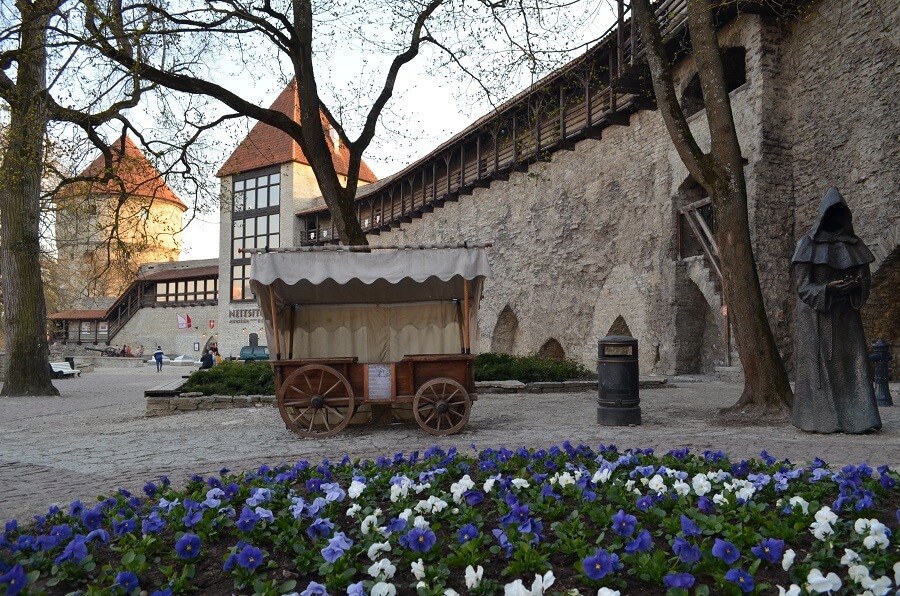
(95, 438)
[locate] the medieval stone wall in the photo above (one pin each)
(590, 236)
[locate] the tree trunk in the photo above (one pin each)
(767, 394)
(27, 350)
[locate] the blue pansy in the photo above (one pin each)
(419, 540)
(248, 520)
(188, 546)
(321, 528)
(92, 518)
(75, 551)
(600, 564)
(166, 592)
(153, 524)
(127, 580)
(397, 524)
(192, 518)
(314, 589)
(688, 527)
(467, 533)
(728, 552)
(740, 577)
(640, 544)
(624, 523)
(769, 550)
(15, 580)
(682, 581)
(644, 503)
(99, 535)
(687, 552)
(125, 526)
(250, 557)
(150, 489)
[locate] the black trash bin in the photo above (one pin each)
(618, 400)
(71, 361)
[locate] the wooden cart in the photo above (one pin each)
(373, 333)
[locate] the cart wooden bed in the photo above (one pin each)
(348, 325)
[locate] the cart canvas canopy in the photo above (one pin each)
(378, 306)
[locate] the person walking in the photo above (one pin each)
(158, 356)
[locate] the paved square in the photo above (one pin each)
(95, 438)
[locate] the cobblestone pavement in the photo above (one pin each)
(95, 438)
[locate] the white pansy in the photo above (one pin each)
(682, 488)
(457, 489)
(601, 476)
(450, 592)
(378, 547)
(520, 483)
(897, 573)
(418, 569)
(861, 526)
(719, 499)
(420, 488)
(399, 491)
(801, 502)
(405, 513)
(382, 569)
(878, 587)
(356, 489)
(488, 485)
(564, 479)
(794, 590)
(629, 485)
(367, 523)
(383, 589)
(473, 576)
(420, 522)
(821, 529)
(607, 592)
(826, 515)
(878, 535)
(701, 484)
(858, 573)
(353, 510)
(658, 484)
(516, 588)
(746, 492)
(542, 583)
(787, 560)
(816, 582)
(850, 557)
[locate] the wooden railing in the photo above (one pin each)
(599, 89)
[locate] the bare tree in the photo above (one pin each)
(44, 74)
(767, 393)
(294, 34)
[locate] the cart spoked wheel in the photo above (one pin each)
(316, 401)
(442, 406)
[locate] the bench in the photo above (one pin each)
(60, 370)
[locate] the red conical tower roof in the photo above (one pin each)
(268, 146)
(138, 175)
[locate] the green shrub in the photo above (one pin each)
(528, 369)
(233, 378)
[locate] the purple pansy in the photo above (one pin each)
(683, 581)
(623, 523)
(250, 557)
(127, 580)
(688, 527)
(248, 520)
(467, 533)
(640, 544)
(419, 540)
(15, 580)
(687, 552)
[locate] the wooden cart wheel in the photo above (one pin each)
(442, 406)
(316, 401)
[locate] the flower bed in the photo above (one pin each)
(564, 520)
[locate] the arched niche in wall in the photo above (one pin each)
(552, 350)
(698, 338)
(880, 315)
(506, 332)
(734, 61)
(619, 327)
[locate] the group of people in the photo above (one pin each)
(125, 352)
(210, 358)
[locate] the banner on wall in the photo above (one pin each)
(184, 322)
(212, 323)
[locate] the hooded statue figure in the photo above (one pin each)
(834, 390)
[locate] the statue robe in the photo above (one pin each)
(834, 391)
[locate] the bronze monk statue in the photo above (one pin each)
(834, 390)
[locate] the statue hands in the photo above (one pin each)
(845, 285)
